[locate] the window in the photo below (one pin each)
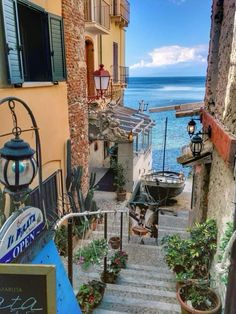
(115, 62)
(34, 42)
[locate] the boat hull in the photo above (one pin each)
(164, 185)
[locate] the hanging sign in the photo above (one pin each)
(19, 231)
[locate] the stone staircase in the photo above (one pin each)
(146, 286)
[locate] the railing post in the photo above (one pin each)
(70, 250)
(105, 237)
(121, 230)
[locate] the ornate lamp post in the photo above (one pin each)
(18, 167)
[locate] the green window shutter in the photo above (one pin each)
(12, 39)
(57, 48)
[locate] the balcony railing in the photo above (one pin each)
(121, 9)
(97, 11)
(124, 74)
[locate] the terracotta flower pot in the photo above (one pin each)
(121, 196)
(186, 309)
(114, 242)
(109, 277)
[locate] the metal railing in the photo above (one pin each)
(97, 11)
(124, 74)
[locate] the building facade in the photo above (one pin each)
(42, 62)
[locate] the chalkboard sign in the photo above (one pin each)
(27, 289)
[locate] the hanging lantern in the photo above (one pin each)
(191, 127)
(196, 145)
(17, 165)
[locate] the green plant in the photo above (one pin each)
(119, 259)
(90, 295)
(92, 253)
(61, 240)
(119, 176)
(199, 297)
(191, 258)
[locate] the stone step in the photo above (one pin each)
(149, 268)
(146, 274)
(103, 311)
(141, 293)
(135, 305)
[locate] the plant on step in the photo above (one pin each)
(191, 258)
(120, 259)
(198, 298)
(92, 253)
(119, 178)
(90, 295)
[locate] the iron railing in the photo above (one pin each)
(53, 196)
(124, 74)
(97, 11)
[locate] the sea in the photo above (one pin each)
(161, 92)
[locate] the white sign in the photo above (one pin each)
(19, 231)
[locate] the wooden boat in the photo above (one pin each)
(163, 185)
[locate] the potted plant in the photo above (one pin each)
(119, 180)
(120, 258)
(113, 268)
(90, 295)
(114, 242)
(92, 253)
(197, 298)
(191, 258)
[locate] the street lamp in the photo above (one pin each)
(18, 167)
(191, 127)
(101, 80)
(196, 145)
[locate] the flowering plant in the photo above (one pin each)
(119, 259)
(92, 253)
(90, 295)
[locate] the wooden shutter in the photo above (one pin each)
(57, 48)
(12, 39)
(115, 62)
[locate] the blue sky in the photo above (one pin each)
(168, 37)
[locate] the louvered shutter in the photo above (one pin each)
(57, 48)
(12, 39)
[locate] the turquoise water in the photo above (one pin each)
(166, 91)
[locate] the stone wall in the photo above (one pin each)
(73, 14)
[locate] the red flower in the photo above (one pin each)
(91, 299)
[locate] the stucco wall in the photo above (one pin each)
(96, 157)
(48, 104)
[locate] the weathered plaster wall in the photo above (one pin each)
(221, 192)
(73, 13)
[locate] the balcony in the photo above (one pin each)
(120, 12)
(97, 16)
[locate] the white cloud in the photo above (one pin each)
(171, 55)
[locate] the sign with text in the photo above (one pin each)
(27, 289)
(19, 231)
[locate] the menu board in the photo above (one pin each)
(27, 289)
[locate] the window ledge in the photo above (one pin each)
(38, 84)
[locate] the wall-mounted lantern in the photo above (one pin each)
(196, 144)
(130, 136)
(101, 80)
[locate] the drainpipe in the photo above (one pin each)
(230, 301)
